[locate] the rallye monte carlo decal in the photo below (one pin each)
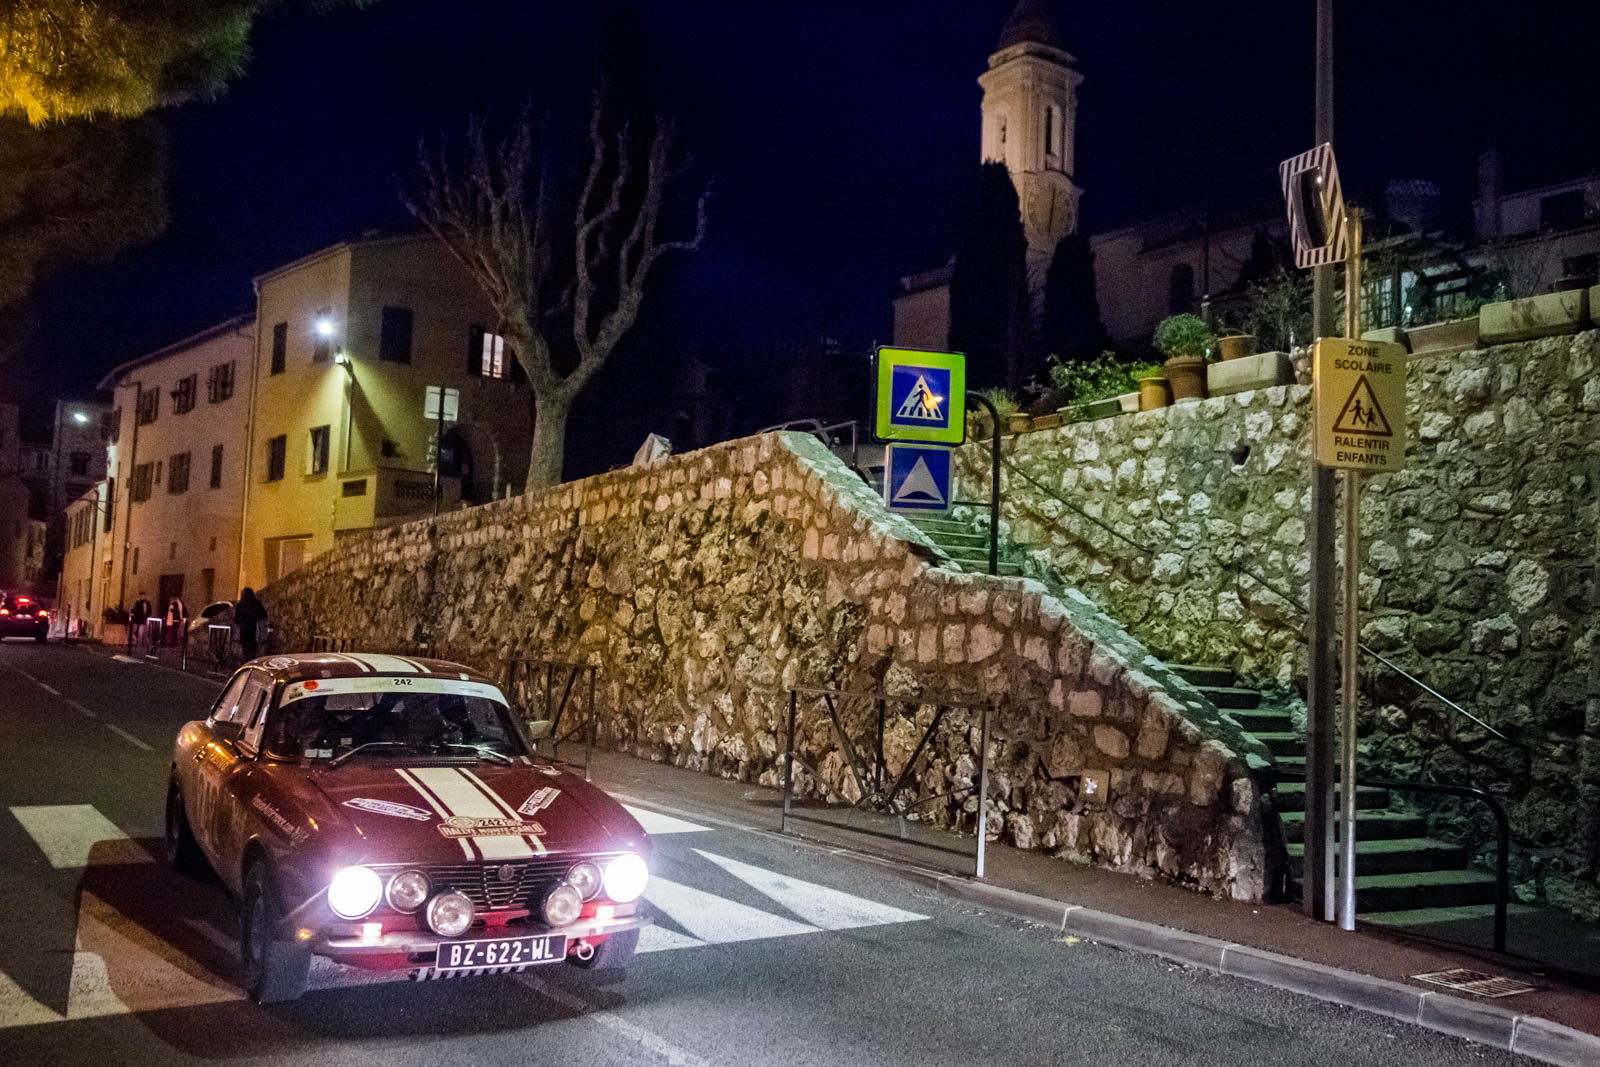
(485, 824)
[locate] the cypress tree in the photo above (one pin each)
(1071, 329)
(989, 285)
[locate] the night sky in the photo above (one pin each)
(842, 136)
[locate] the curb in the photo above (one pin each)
(1527, 1035)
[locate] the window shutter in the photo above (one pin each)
(475, 350)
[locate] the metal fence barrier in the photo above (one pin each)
(878, 790)
(545, 690)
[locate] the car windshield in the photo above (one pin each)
(390, 724)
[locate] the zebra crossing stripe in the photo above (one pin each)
(655, 823)
(819, 905)
(68, 834)
(718, 920)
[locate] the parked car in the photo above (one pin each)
(23, 616)
(392, 813)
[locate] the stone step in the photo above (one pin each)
(934, 527)
(965, 539)
(1289, 743)
(1231, 696)
(1424, 889)
(1201, 675)
(1399, 855)
(1264, 720)
(981, 566)
(1370, 826)
(1475, 913)
(1291, 763)
(1292, 796)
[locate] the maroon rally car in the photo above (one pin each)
(391, 813)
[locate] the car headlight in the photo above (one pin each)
(408, 891)
(585, 878)
(625, 877)
(562, 905)
(354, 892)
(449, 914)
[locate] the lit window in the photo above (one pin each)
(488, 355)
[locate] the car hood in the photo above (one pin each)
(420, 813)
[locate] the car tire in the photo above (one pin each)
(41, 638)
(275, 967)
(612, 954)
(183, 851)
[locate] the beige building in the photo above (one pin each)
(170, 508)
(357, 343)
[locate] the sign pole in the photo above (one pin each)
(438, 458)
(1349, 676)
(1317, 890)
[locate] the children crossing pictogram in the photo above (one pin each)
(1362, 414)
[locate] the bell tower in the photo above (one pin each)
(1030, 108)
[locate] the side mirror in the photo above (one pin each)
(228, 731)
(539, 729)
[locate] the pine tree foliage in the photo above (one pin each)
(989, 285)
(1071, 328)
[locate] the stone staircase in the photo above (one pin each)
(966, 546)
(1401, 873)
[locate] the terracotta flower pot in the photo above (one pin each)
(1018, 422)
(1236, 345)
(1187, 376)
(1153, 393)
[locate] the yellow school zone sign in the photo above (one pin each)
(1360, 399)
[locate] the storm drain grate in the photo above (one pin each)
(1476, 982)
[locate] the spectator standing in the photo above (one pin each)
(249, 615)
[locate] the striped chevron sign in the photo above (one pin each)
(1316, 207)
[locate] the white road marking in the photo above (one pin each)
(120, 658)
(654, 938)
(48, 689)
(816, 904)
(68, 833)
(656, 823)
(715, 919)
(648, 1040)
(126, 736)
(17, 1008)
(74, 704)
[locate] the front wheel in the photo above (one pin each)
(41, 638)
(612, 954)
(276, 966)
(183, 851)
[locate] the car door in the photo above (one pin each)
(216, 763)
(192, 752)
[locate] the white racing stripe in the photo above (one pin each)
(461, 795)
(438, 808)
(381, 664)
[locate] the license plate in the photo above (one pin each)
(502, 952)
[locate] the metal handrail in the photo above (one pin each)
(1262, 581)
(1502, 869)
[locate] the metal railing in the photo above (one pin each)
(877, 790)
(1502, 869)
(544, 690)
(1254, 575)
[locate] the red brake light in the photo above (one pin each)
(5, 611)
(23, 600)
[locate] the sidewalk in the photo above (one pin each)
(1369, 968)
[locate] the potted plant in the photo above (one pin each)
(1005, 405)
(1094, 388)
(1233, 344)
(1153, 389)
(1185, 340)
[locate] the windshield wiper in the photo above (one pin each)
(344, 757)
(483, 751)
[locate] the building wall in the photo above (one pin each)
(1478, 570)
(86, 552)
(922, 319)
(77, 461)
(1133, 270)
(377, 406)
(190, 536)
(706, 585)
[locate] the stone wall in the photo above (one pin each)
(1477, 576)
(706, 586)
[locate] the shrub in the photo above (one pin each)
(1183, 335)
(1095, 379)
(1004, 403)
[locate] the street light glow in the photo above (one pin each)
(79, 417)
(324, 327)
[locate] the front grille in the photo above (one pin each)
(529, 880)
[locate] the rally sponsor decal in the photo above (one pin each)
(388, 807)
(539, 801)
(467, 826)
(380, 683)
(277, 820)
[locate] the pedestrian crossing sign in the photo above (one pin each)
(1359, 395)
(921, 395)
(917, 478)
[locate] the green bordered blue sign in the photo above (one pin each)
(917, 478)
(921, 396)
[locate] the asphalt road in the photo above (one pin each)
(765, 953)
